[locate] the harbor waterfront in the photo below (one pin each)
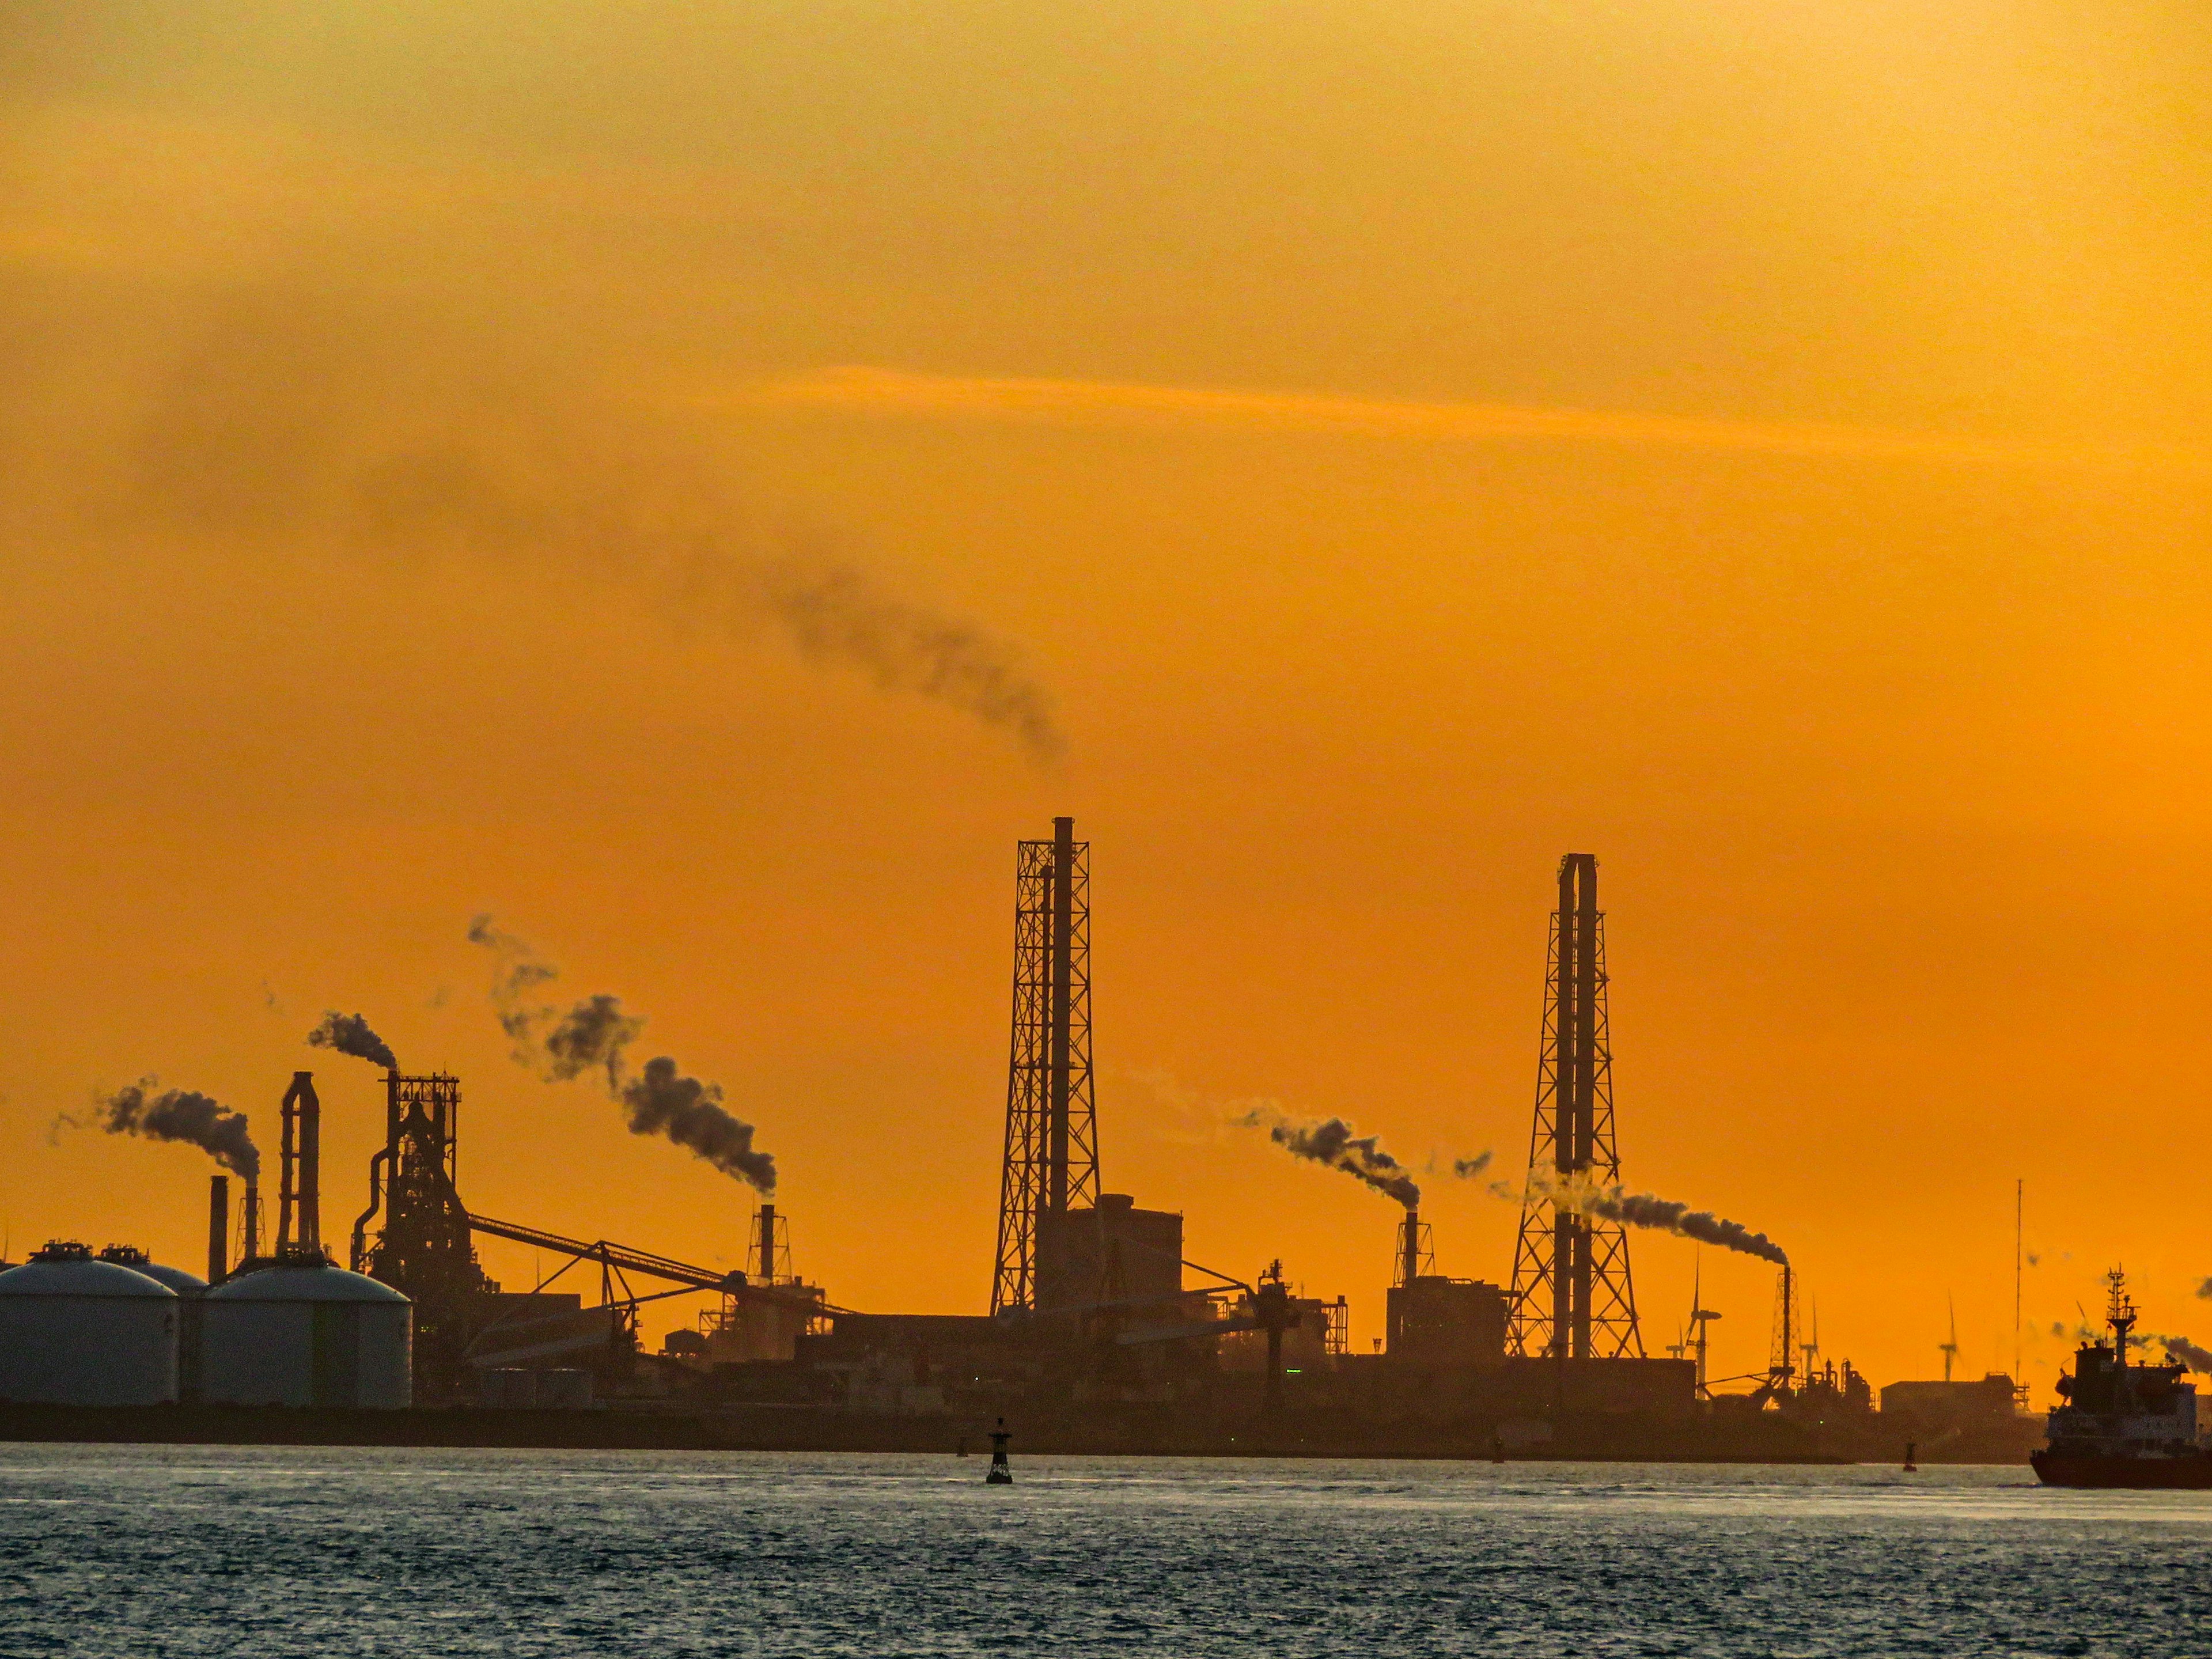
(185, 1551)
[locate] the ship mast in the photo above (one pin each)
(2120, 1314)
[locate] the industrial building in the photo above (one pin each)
(1096, 1319)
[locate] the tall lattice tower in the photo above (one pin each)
(1052, 1130)
(1572, 1297)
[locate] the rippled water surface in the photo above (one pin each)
(144, 1550)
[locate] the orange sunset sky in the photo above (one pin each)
(1354, 452)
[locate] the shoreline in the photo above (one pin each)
(808, 1429)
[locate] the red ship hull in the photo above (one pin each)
(2192, 1471)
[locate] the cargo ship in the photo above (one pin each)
(2125, 1425)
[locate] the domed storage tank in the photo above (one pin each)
(78, 1332)
(303, 1332)
(130, 1256)
(189, 1288)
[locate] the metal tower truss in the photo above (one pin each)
(1051, 1162)
(1572, 1294)
(423, 1247)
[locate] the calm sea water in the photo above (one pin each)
(155, 1551)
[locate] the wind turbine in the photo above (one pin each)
(1951, 1348)
(1700, 1317)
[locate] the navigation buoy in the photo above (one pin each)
(1000, 1474)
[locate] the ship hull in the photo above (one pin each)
(2057, 1466)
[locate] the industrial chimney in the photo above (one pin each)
(1409, 1247)
(298, 1202)
(218, 1229)
(252, 1250)
(766, 1243)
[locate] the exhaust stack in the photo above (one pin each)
(218, 1228)
(1409, 1247)
(252, 1250)
(768, 1243)
(298, 1204)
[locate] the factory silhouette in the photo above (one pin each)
(1099, 1334)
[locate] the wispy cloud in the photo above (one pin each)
(885, 391)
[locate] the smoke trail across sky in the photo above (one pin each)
(1661, 1214)
(349, 1034)
(594, 1033)
(1333, 1142)
(183, 1115)
(557, 1044)
(2181, 1348)
(690, 1112)
(391, 442)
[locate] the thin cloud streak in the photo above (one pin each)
(863, 390)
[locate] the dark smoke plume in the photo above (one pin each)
(690, 1113)
(835, 616)
(556, 1044)
(594, 1034)
(350, 1034)
(1332, 1142)
(1661, 1214)
(2204, 1289)
(2181, 1348)
(301, 424)
(180, 1114)
(520, 971)
(1468, 1168)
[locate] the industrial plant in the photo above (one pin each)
(1099, 1332)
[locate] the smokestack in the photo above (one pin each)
(299, 1214)
(1574, 1120)
(1063, 992)
(1409, 1248)
(253, 1240)
(218, 1228)
(768, 1243)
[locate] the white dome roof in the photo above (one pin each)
(183, 1283)
(289, 1283)
(80, 1279)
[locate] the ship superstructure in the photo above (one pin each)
(2123, 1422)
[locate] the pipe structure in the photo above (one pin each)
(252, 1250)
(218, 1228)
(300, 1207)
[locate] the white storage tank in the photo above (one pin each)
(78, 1332)
(189, 1288)
(300, 1332)
(130, 1256)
